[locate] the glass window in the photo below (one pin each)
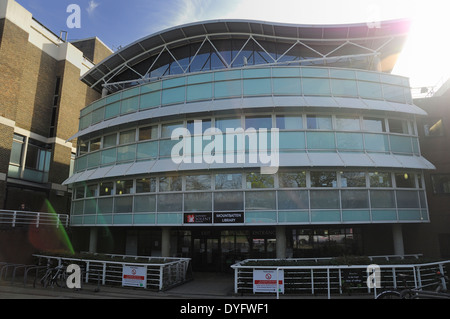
(370, 90)
(352, 199)
(199, 201)
(292, 179)
(319, 122)
(110, 140)
(257, 87)
(167, 129)
(293, 199)
(323, 179)
(344, 88)
(148, 133)
(433, 127)
(82, 147)
(124, 187)
(441, 183)
(283, 86)
(91, 190)
(228, 181)
(127, 137)
(170, 202)
(106, 188)
(263, 200)
(126, 153)
(224, 123)
(79, 192)
(289, 122)
(405, 180)
(170, 184)
(348, 123)
(123, 204)
(228, 201)
(398, 126)
(146, 185)
(316, 86)
(407, 199)
(374, 124)
(380, 179)
(198, 182)
(324, 199)
(203, 125)
(94, 144)
(144, 204)
(382, 199)
(353, 179)
(256, 180)
(258, 122)
(16, 153)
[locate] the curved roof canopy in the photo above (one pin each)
(383, 40)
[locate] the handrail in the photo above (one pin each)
(17, 217)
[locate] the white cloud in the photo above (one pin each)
(92, 6)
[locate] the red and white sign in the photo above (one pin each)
(266, 281)
(134, 276)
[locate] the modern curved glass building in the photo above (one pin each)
(224, 140)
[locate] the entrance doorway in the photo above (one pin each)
(206, 252)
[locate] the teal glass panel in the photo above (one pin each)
(112, 110)
(286, 72)
(293, 199)
(109, 156)
(263, 200)
(391, 79)
(94, 159)
(98, 115)
(260, 217)
(227, 89)
(368, 76)
(89, 220)
(320, 140)
(123, 204)
(409, 214)
(145, 203)
(126, 153)
(257, 87)
(350, 141)
(394, 93)
(113, 98)
(130, 105)
(130, 92)
(376, 142)
(354, 199)
(144, 219)
(256, 73)
(152, 87)
(227, 75)
(370, 90)
(415, 145)
(407, 199)
(344, 88)
(85, 121)
(165, 147)
(384, 215)
(425, 215)
(200, 78)
(291, 141)
(293, 217)
(90, 206)
(77, 208)
(169, 219)
(401, 144)
(76, 220)
(315, 72)
(194, 202)
(172, 96)
(324, 199)
(289, 86)
(170, 202)
(180, 81)
(105, 205)
(316, 86)
(106, 219)
(382, 199)
(147, 150)
(123, 219)
(81, 163)
(342, 74)
(355, 215)
(199, 92)
(328, 216)
(150, 100)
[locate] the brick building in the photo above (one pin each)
(40, 101)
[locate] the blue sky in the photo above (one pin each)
(121, 22)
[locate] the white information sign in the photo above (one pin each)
(266, 280)
(134, 276)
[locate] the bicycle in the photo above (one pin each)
(418, 293)
(54, 276)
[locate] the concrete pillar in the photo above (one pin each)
(165, 242)
(93, 240)
(397, 234)
(281, 241)
(104, 92)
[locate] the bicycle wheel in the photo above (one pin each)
(61, 279)
(389, 294)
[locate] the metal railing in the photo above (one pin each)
(162, 273)
(15, 218)
(334, 279)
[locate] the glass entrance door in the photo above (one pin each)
(205, 252)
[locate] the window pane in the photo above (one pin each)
(126, 153)
(324, 199)
(297, 179)
(257, 87)
(144, 204)
(398, 126)
(407, 199)
(374, 124)
(224, 123)
(291, 86)
(79, 192)
(228, 201)
(94, 144)
(353, 179)
(344, 88)
(260, 200)
(293, 199)
(197, 202)
(378, 179)
(16, 153)
(405, 180)
(289, 122)
(146, 185)
(227, 89)
(91, 191)
(167, 129)
(370, 90)
(348, 124)
(170, 203)
(203, 126)
(124, 187)
(323, 179)
(256, 180)
(105, 205)
(316, 86)
(258, 122)
(228, 181)
(382, 199)
(319, 122)
(169, 184)
(123, 204)
(433, 128)
(441, 184)
(354, 199)
(148, 133)
(106, 188)
(127, 137)
(198, 182)
(109, 140)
